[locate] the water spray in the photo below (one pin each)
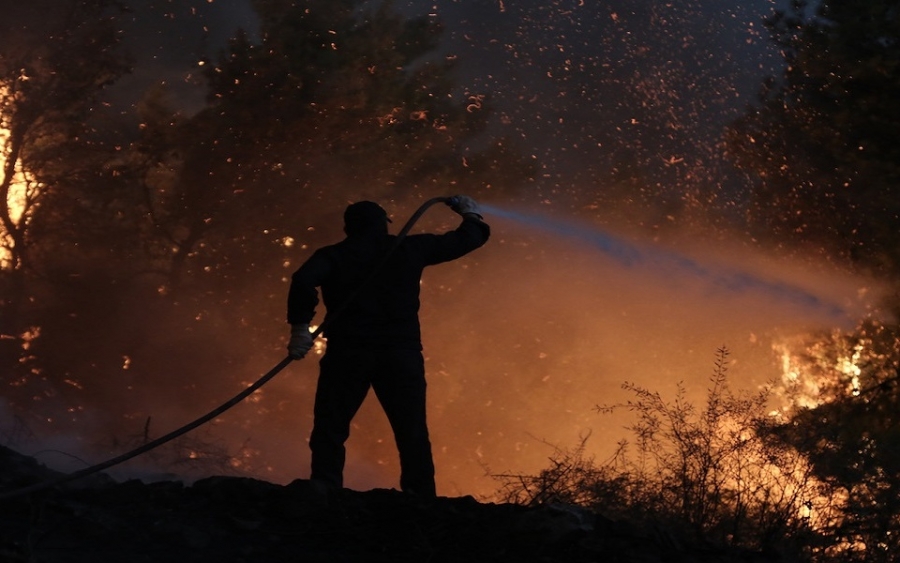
(62, 479)
(632, 255)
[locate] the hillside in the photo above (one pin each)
(232, 519)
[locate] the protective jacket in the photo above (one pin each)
(385, 312)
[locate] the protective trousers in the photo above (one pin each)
(398, 378)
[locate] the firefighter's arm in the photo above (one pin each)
(303, 298)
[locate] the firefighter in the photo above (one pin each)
(369, 285)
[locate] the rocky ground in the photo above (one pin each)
(231, 519)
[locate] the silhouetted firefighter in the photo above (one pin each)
(374, 338)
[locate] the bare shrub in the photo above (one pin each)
(188, 457)
(572, 478)
(712, 473)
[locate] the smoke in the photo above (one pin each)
(547, 321)
(662, 262)
(526, 336)
(523, 339)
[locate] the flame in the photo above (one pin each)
(758, 472)
(797, 389)
(810, 367)
(850, 368)
(22, 192)
(816, 369)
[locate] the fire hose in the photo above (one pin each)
(66, 478)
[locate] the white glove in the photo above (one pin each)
(301, 341)
(465, 205)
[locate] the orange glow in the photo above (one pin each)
(809, 367)
(534, 331)
(521, 343)
(21, 193)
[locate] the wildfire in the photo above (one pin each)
(19, 192)
(818, 369)
(810, 370)
(797, 390)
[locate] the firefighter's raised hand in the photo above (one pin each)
(465, 205)
(301, 341)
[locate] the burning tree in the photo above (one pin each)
(51, 72)
(821, 146)
(843, 394)
(53, 64)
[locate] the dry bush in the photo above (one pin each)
(714, 474)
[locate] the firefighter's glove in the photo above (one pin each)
(301, 341)
(464, 205)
